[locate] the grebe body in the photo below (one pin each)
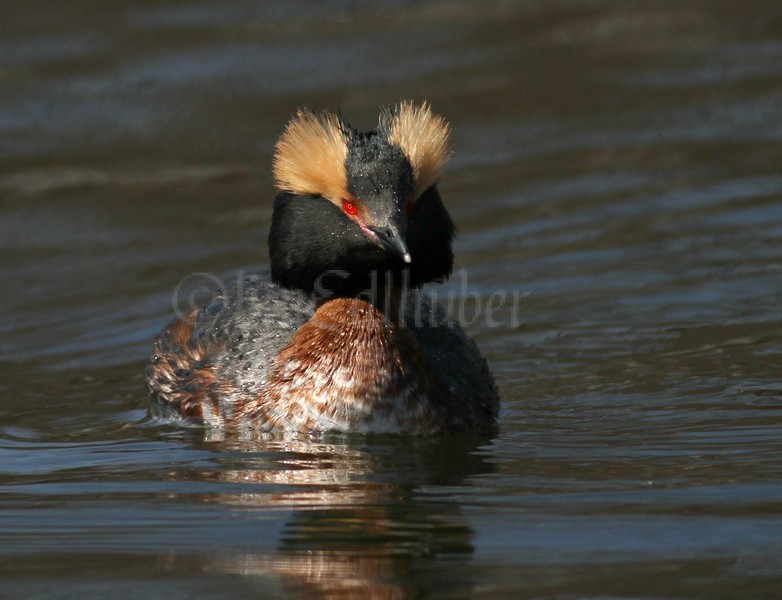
(338, 337)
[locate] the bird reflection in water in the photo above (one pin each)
(366, 519)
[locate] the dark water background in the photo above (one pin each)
(617, 184)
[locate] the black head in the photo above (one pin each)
(358, 210)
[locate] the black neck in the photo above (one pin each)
(314, 247)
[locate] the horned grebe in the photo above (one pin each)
(339, 337)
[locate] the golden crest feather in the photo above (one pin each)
(423, 137)
(310, 156)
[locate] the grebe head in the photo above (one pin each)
(359, 209)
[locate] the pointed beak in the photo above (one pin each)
(391, 239)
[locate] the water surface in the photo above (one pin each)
(616, 184)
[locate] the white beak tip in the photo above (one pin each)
(407, 258)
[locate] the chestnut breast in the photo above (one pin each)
(348, 368)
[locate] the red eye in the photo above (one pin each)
(349, 207)
(409, 206)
